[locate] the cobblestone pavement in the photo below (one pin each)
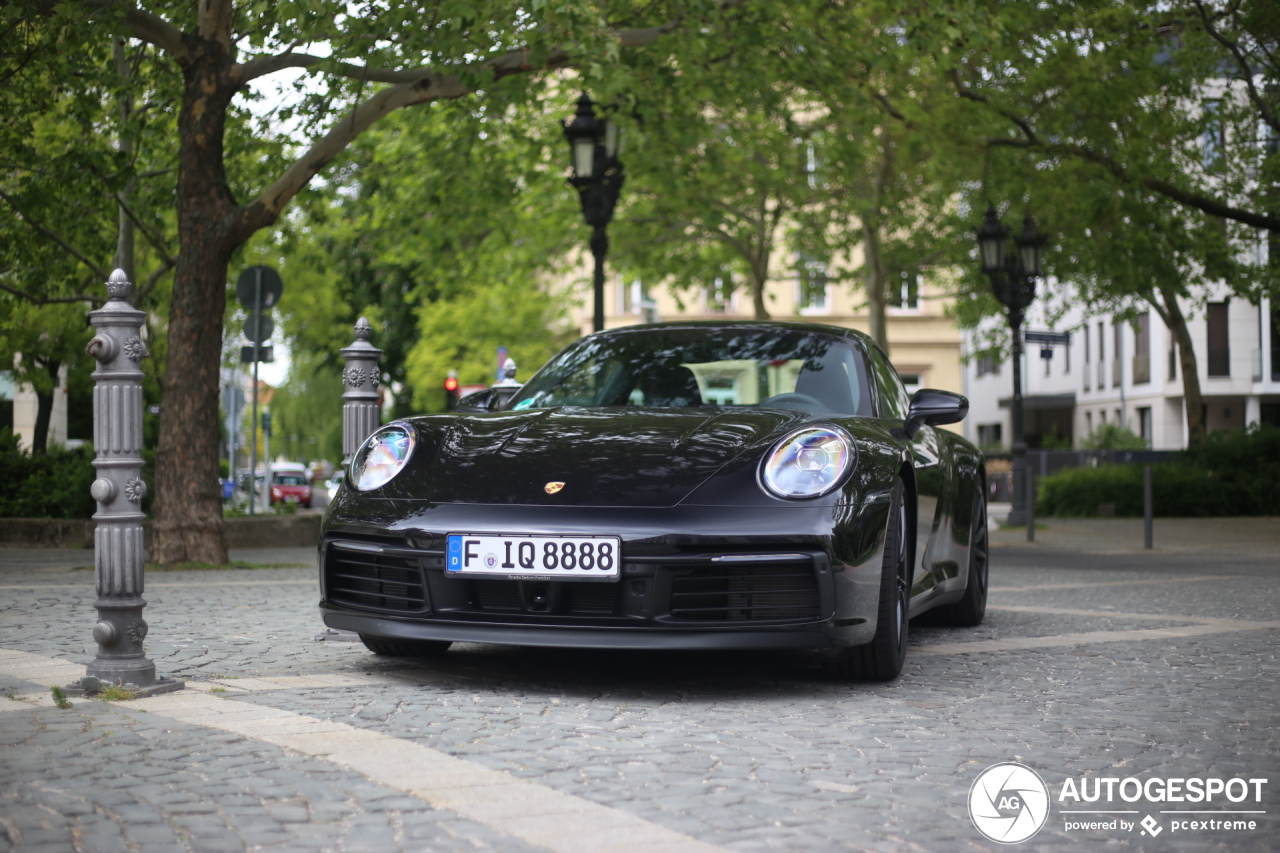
(1125, 665)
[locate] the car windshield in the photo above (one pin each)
(290, 480)
(690, 366)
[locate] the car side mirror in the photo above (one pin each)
(933, 407)
(485, 400)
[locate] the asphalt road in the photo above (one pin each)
(1090, 666)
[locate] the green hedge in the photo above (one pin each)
(1231, 474)
(51, 485)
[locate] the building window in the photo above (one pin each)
(1219, 348)
(1102, 417)
(910, 381)
(1102, 355)
(626, 300)
(1066, 359)
(812, 298)
(1213, 140)
(905, 293)
(720, 295)
(1144, 424)
(1275, 336)
(1173, 354)
(1142, 349)
(990, 436)
(1117, 329)
(988, 364)
(1088, 423)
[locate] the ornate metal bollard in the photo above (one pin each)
(360, 415)
(119, 489)
(506, 388)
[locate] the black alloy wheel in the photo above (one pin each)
(970, 610)
(882, 659)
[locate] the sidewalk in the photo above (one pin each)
(1251, 536)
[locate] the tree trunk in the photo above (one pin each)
(874, 263)
(44, 408)
(1177, 323)
(759, 278)
(188, 506)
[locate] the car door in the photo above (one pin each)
(926, 464)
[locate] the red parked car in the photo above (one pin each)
(290, 486)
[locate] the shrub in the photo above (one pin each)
(1113, 437)
(1231, 474)
(50, 485)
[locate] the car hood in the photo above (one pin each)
(603, 456)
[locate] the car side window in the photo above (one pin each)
(893, 399)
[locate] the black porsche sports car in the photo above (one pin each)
(669, 486)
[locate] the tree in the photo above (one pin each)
(454, 207)
(718, 165)
(82, 172)
(387, 58)
(1167, 99)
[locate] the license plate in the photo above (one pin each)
(579, 558)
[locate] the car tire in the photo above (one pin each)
(405, 648)
(882, 659)
(970, 610)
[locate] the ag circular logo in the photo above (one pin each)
(1009, 802)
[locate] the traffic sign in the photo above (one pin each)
(266, 354)
(258, 328)
(272, 287)
(1050, 338)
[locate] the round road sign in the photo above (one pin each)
(272, 287)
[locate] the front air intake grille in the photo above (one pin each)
(593, 599)
(376, 581)
(754, 593)
(499, 596)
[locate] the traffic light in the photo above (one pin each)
(451, 390)
(266, 423)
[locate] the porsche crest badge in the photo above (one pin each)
(553, 487)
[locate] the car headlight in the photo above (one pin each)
(383, 455)
(808, 463)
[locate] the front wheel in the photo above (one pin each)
(882, 659)
(405, 648)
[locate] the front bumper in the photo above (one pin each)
(735, 579)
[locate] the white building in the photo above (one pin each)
(1116, 373)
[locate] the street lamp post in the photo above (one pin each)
(1013, 280)
(598, 177)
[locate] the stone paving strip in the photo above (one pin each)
(534, 813)
(1199, 626)
(1161, 581)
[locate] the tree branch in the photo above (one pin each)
(143, 292)
(416, 89)
(150, 28)
(1201, 202)
(1243, 62)
(50, 300)
(50, 235)
(213, 21)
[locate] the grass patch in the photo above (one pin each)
(60, 698)
(114, 693)
(218, 690)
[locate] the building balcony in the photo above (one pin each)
(1141, 369)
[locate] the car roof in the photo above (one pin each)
(753, 325)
